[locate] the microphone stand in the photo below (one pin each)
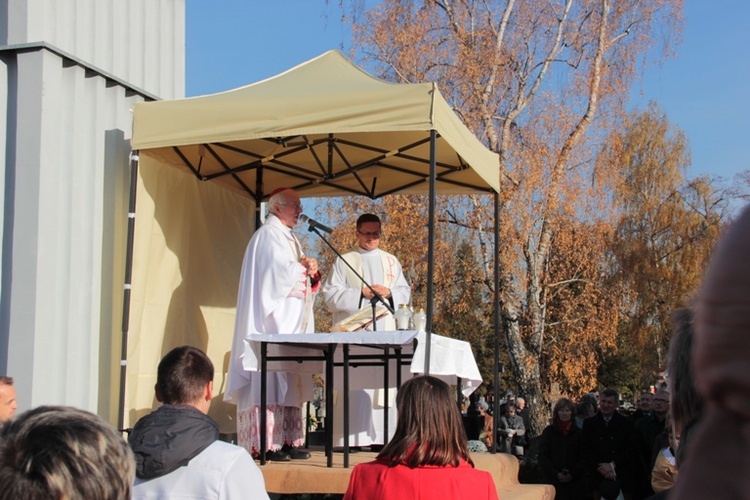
(376, 297)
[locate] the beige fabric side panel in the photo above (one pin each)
(190, 237)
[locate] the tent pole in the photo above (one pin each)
(430, 251)
(496, 310)
(127, 287)
(258, 198)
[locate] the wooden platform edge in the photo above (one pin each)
(314, 477)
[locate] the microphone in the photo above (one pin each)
(314, 224)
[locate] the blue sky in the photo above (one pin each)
(704, 89)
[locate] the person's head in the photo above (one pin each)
(510, 409)
(63, 453)
(590, 398)
(429, 429)
(585, 409)
(8, 403)
(520, 404)
(564, 410)
(285, 204)
(660, 404)
(185, 377)
(609, 400)
(369, 231)
(647, 401)
(685, 404)
(594, 395)
(482, 407)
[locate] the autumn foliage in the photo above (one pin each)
(599, 240)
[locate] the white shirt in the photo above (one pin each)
(221, 471)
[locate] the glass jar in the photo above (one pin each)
(420, 320)
(403, 315)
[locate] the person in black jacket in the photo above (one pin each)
(646, 444)
(177, 449)
(605, 441)
(560, 452)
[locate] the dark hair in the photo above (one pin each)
(429, 430)
(610, 393)
(364, 218)
(563, 403)
(685, 404)
(6, 380)
(63, 453)
(182, 375)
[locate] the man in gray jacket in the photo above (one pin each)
(177, 449)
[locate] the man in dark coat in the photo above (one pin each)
(643, 409)
(646, 433)
(605, 444)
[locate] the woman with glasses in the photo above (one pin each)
(428, 456)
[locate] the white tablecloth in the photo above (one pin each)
(449, 358)
(251, 356)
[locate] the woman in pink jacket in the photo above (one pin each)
(428, 456)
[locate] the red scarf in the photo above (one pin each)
(565, 427)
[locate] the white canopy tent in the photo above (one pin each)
(324, 128)
(321, 128)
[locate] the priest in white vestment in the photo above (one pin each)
(277, 287)
(345, 294)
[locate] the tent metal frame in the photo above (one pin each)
(325, 175)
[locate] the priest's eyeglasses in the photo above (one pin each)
(374, 234)
(295, 205)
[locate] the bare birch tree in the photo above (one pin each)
(542, 82)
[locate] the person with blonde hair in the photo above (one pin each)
(664, 471)
(428, 456)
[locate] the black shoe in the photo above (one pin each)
(278, 456)
(298, 454)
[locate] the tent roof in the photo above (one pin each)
(325, 128)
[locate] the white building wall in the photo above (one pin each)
(140, 41)
(66, 94)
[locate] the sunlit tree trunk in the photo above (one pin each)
(542, 82)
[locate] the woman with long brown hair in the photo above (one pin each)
(428, 456)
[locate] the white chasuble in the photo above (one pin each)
(343, 295)
(274, 297)
(343, 290)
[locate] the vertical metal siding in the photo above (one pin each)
(67, 206)
(140, 41)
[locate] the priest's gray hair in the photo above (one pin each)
(277, 199)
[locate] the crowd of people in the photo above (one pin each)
(690, 441)
(607, 454)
